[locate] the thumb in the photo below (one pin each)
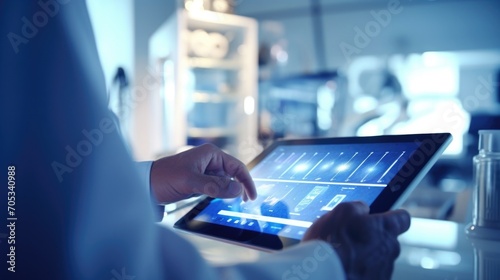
(218, 186)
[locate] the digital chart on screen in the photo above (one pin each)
(297, 184)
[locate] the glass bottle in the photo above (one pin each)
(486, 193)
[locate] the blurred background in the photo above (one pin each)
(240, 73)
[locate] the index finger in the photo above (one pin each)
(235, 168)
(223, 164)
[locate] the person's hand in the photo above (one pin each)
(201, 170)
(366, 243)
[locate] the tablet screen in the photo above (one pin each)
(299, 180)
(297, 184)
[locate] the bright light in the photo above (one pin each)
(432, 258)
(282, 57)
(422, 234)
(279, 54)
(432, 73)
(249, 105)
(364, 104)
(428, 115)
(325, 98)
(428, 263)
(301, 167)
(326, 166)
(324, 119)
(343, 167)
(220, 6)
(436, 59)
(194, 5)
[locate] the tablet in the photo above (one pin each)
(299, 180)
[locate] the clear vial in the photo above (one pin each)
(486, 193)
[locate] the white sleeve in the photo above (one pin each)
(83, 212)
(309, 260)
(144, 168)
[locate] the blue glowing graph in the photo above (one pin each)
(297, 184)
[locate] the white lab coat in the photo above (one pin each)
(82, 210)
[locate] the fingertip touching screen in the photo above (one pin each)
(297, 181)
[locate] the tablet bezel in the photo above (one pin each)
(395, 193)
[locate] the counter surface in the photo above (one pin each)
(430, 249)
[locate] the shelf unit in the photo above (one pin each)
(207, 64)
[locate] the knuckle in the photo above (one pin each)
(235, 167)
(209, 147)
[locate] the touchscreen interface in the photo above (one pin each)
(297, 184)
